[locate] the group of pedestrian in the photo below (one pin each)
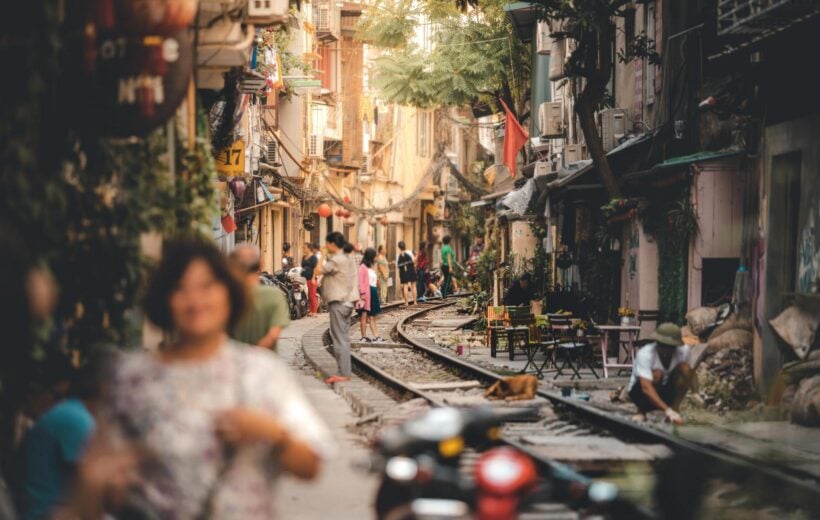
(200, 428)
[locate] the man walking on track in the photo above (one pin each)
(448, 262)
(340, 290)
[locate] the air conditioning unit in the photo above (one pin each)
(327, 19)
(551, 119)
(573, 153)
(542, 168)
(558, 57)
(543, 42)
(272, 152)
(614, 124)
(262, 12)
(316, 146)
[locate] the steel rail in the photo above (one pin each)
(800, 490)
(560, 471)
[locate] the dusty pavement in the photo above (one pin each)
(341, 491)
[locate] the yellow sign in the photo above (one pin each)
(231, 160)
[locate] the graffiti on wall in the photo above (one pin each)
(808, 250)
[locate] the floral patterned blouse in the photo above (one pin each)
(171, 409)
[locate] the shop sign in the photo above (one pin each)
(131, 84)
(231, 160)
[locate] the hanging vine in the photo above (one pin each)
(671, 219)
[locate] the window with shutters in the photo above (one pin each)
(424, 123)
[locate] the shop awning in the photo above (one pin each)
(569, 173)
(504, 184)
(681, 162)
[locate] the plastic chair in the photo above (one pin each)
(496, 323)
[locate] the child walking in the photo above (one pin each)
(369, 306)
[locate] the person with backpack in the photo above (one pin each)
(407, 274)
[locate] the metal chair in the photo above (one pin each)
(575, 350)
(519, 321)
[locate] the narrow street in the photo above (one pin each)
(578, 243)
(342, 491)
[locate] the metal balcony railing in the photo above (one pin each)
(751, 18)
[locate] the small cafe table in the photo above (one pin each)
(631, 332)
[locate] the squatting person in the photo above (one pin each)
(661, 374)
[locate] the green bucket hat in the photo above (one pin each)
(668, 334)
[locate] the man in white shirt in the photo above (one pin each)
(661, 374)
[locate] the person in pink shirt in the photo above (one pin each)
(368, 305)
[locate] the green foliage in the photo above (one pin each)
(81, 202)
(389, 24)
(466, 222)
(279, 38)
(670, 218)
(472, 57)
(486, 266)
(642, 47)
(673, 253)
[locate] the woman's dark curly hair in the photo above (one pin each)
(177, 255)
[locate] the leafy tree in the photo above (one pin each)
(472, 57)
(590, 24)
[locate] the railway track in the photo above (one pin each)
(566, 435)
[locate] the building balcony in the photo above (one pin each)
(747, 19)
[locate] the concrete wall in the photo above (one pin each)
(639, 275)
(717, 194)
(779, 238)
(522, 242)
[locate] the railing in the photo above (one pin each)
(755, 17)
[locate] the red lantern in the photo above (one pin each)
(324, 210)
(383, 221)
(346, 213)
(346, 199)
(339, 213)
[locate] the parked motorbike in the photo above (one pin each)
(297, 289)
(281, 283)
(421, 479)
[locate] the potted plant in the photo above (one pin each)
(626, 315)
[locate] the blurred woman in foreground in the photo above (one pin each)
(219, 419)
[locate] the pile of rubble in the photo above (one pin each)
(725, 380)
(797, 326)
(724, 366)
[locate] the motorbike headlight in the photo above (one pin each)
(401, 469)
(437, 424)
(602, 492)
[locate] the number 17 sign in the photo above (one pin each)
(231, 161)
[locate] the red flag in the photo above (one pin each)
(514, 138)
